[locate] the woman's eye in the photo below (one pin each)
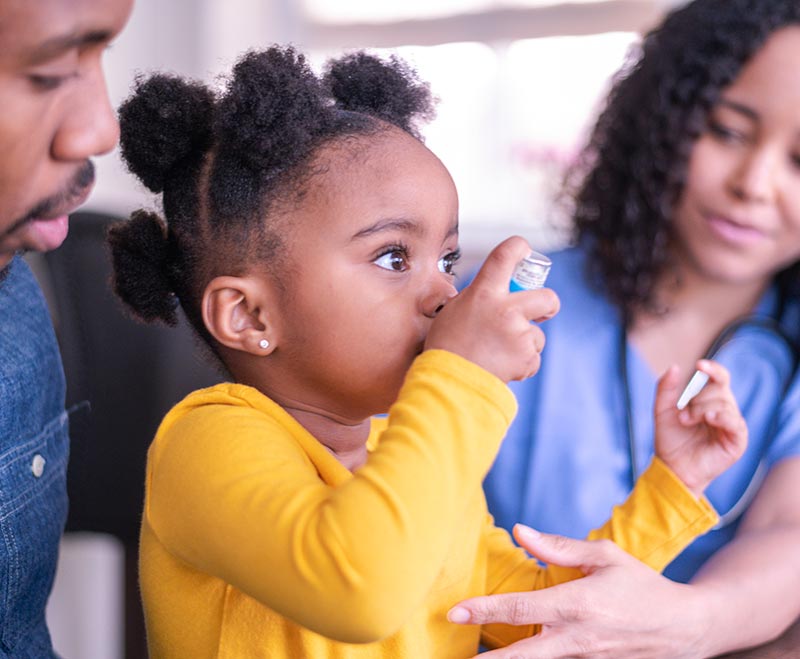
(394, 260)
(447, 263)
(725, 133)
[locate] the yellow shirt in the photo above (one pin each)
(256, 542)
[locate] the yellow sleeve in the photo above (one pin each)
(232, 493)
(656, 522)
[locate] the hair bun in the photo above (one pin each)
(388, 89)
(272, 109)
(164, 121)
(140, 254)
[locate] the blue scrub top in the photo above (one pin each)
(566, 459)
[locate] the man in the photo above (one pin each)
(55, 116)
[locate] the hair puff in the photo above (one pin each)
(388, 89)
(140, 254)
(165, 121)
(272, 109)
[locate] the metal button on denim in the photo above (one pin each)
(37, 466)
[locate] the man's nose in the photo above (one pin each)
(89, 124)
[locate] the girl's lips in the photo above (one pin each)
(732, 232)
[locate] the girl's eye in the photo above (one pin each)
(447, 263)
(395, 260)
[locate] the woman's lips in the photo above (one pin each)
(734, 232)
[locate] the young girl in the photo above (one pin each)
(310, 240)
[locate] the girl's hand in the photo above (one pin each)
(701, 441)
(492, 327)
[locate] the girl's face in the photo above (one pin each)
(371, 257)
(738, 219)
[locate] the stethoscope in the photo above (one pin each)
(764, 322)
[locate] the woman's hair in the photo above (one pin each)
(228, 164)
(633, 170)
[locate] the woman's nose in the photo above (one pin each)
(756, 177)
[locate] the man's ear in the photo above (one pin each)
(239, 312)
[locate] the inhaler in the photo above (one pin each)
(530, 273)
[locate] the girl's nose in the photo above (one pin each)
(440, 291)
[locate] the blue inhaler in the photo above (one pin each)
(530, 273)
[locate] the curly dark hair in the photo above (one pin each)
(227, 164)
(632, 172)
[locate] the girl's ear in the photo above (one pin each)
(239, 312)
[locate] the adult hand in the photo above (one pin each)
(620, 609)
(491, 326)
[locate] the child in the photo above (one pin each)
(310, 240)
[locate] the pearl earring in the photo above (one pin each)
(263, 344)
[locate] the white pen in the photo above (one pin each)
(695, 386)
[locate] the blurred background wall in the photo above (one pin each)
(519, 81)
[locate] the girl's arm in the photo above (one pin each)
(233, 493)
(244, 499)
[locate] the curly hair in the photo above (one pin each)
(632, 172)
(226, 164)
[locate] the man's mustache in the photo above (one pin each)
(58, 203)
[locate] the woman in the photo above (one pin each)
(687, 218)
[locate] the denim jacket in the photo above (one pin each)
(34, 448)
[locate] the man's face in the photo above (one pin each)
(55, 113)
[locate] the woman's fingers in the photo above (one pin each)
(545, 606)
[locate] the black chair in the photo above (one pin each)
(130, 374)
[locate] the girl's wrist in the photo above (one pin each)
(695, 485)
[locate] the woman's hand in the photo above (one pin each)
(492, 327)
(621, 610)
